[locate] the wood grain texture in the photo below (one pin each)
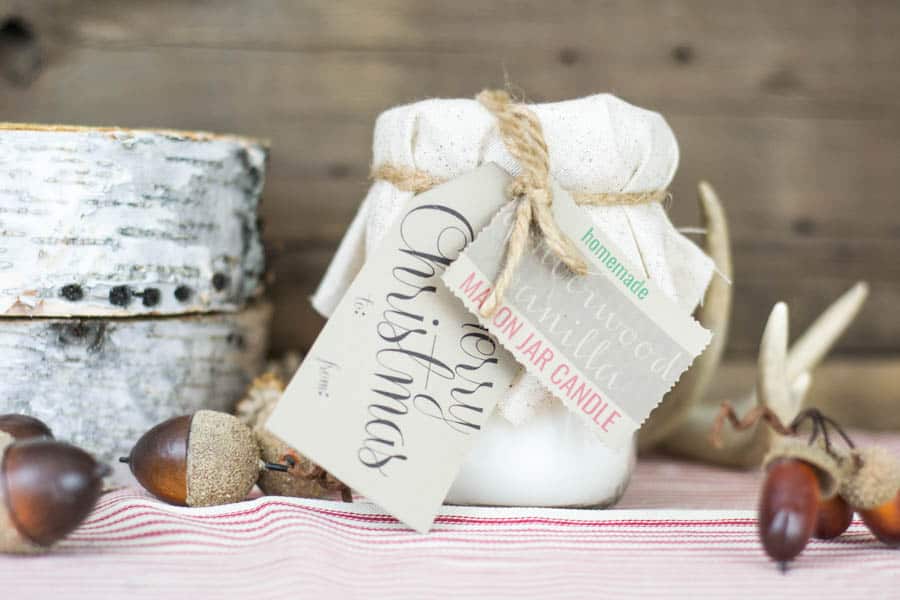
(791, 109)
(858, 392)
(101, 383)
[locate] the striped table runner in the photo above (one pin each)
(681, 530)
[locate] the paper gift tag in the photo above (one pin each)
(609, 344)
(402, 376)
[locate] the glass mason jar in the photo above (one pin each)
(551, 460)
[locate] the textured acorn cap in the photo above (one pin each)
(254, 411)
(871, 478)
(223, 459)
(11, 541)
(827, 468)
(276, 483)
(260, 400)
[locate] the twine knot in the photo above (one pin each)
(523, 137)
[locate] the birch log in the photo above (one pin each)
(115, 222)
(101, 383)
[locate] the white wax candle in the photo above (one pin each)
(550, 460)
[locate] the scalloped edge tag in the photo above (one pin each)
(609, 344)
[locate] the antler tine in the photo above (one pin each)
(716, 307)
(811, 347)
(772, 386)
(713, 314)
(799, 388)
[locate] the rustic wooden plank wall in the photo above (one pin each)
(791, 109)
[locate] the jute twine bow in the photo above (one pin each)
(523, 136)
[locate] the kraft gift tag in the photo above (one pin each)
(402, 376)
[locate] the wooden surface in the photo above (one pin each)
(791, 109)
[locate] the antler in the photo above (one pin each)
(682, 423)
(713, 314)
(782, 381)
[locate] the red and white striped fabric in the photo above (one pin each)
(681, 530)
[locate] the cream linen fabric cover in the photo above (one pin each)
(597, 144)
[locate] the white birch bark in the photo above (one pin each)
(117, 222)
(101, 383)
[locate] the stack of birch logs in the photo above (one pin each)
(131, 273)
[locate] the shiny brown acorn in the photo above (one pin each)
(23, 426)
(47, 488)
(205, 459)
(788, 508)
(871, 485)
(833, 519)
(884, 521)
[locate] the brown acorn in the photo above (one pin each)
(47, 488)
(787, 509)
(22, 427)
(884, 521)
(798, 477)
(872, 486)
(834, 517)
(205, 459)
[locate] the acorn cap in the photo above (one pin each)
(871, 478)
(277, 483)
(260, 400)
(222, 459)
(827, 468)
(254, 410)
